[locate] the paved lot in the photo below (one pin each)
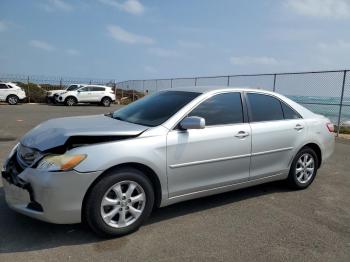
(263, 223)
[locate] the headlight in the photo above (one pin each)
(60, 162)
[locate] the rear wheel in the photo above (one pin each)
(12, 99)
(106, 101)
(119, 203)
(71, 101)
(303, 169)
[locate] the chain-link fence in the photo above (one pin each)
(323, 92)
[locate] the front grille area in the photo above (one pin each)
(12, 170)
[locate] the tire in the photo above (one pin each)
(12, 100)
(114, 225)
(106, 101)
(301, 174)
(71, 101)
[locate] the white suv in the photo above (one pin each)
(103, 95)
(51, 95)
(11, 93)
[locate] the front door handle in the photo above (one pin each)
(298, 127)
(242, 134)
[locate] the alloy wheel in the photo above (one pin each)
(70, 101)
(305, 168)
(12, 100)
(123, 204)
(106, 102)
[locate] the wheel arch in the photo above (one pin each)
(76, 99)
(317, 150)
(106, 97)
(149, 172)
(9, 95)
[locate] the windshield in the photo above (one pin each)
(72, 87)
(154, 110)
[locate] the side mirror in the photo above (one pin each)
(192, 122)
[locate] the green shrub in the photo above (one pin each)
(342, 130)
(35, 94)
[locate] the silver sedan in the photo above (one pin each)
(111, 170)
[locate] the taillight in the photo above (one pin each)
(330, 127)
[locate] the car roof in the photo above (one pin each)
(96, 85)
(216, 89)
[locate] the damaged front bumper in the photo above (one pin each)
(54, 197)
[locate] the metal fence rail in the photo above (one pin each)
(324, 92)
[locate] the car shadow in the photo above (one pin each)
(20, 233)
(77, 105)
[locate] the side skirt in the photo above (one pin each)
(222, 189)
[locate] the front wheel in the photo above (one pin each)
(303, 169)
(70, 101)
(119, 203)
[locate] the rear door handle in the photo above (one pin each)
(298, 127)
(242, 134)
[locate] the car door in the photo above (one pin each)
(277, 130)
(4, 91)
(98, 93)
(218, 155)
(84, 94)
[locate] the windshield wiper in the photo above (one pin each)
(118, 118)
(110, 114)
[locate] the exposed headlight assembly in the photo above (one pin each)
(60, 162)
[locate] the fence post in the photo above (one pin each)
(28, 89)
(228, 80)
(143, 87)
(133, 90)
(156, 85)
(274, 83)
(195, 81)
(171, 83)
(341, 101)
(61, 83)
(115, 91)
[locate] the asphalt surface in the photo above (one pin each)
(265, 223)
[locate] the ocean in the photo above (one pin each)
(327, 106)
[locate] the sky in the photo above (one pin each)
(135, 39)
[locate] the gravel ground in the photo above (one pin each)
(264, 223)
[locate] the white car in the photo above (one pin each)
(51, 95)
(103, 95)
(11, 93)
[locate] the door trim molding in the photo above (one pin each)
(208, 161)
(200, 162)
(272, 151)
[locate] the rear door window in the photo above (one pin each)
(264, 108)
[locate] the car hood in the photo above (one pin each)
(54, 133)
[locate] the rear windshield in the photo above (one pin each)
(155, 109)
